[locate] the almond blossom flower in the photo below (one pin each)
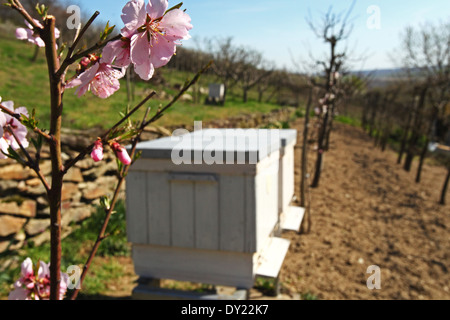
(97, 152)
(8, 123)
(36, 285)
(121, 153)
(32, 36)
(156, 32)
(101, 79)
(120, 49)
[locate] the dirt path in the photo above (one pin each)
(367, 211)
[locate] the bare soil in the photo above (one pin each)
(366, 211)
(369, 211)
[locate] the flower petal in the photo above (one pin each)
(157, 8)
(140, 48)
(133, 14)
(23, 34)
(19, 294)
(145, 70)
(162, 52)
(9, 105)
(2, 123)
(44, 270)
(176, 24)
(27, 267)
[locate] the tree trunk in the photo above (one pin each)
(260, 96)
(403, 144)
(423, 154)
(328, 131)
(320, 151)
(416, 131)
(406, 130)
(444, 188)
(305, 151)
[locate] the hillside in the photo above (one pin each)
(26, 83)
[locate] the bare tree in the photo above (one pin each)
(253, 70)
(228, 61)
(333, 29)
(426, 60)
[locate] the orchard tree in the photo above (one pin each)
(333, 29)
(425, 55)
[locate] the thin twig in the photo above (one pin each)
(19, 118)
(16, 5)
(81, 34)
(31, 163)
(67, 61)
(74, 58)
(83, 153)
(110, 210)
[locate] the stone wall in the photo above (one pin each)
(24, 211)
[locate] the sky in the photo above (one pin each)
(278, 28)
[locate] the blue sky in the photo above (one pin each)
(278, 29)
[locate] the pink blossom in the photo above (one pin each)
(32, 36)
(119, 51)
(101, 79)
(3, 148)
(121, 153)
(36, 285)
(97, 152)
(155, 33)
(8, 123)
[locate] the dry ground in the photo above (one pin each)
(369, 211)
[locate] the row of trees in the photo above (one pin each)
(242, 69)
(416, 106)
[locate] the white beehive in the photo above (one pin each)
(288, 140)
(203, 207)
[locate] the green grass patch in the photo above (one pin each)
(26, 83)
(348, 120)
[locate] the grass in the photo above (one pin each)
(348, 120)
(26, 83)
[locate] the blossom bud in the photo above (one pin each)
(97, 152)
(85, 62)
(121, 154)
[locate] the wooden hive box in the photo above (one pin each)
(203, 208)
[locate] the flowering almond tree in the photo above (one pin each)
(148, 40)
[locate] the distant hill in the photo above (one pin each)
(382, 77)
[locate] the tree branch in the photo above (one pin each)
(83, 153)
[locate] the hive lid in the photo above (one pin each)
(213, 144)
(286, 136)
